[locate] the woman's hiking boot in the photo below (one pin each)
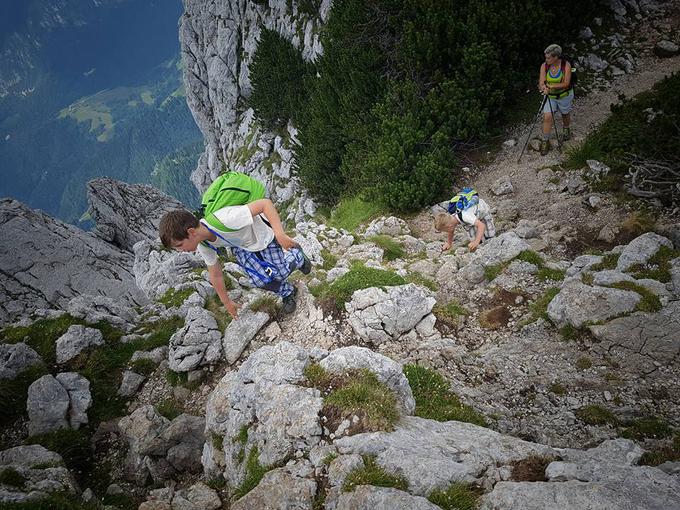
(566, 134)
(289, 302)
(545, 147)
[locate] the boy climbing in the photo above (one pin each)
(470, 211)
(236, 216)
(555, 81)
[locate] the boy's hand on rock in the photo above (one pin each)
(286, 241)
(233, 309)
(446, 247)
(473, 245)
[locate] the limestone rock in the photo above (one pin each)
(279, 490)
(127, 213)
(389, 226)
(49, 262)
(47, 405)
(76, 339)
(78, 389)
(666, 49)
(198, 343)
(367, 497)
(15, 358)
(343, 466)
(502, 186)
(379, 315)
(642, 340)
(43, 473)
(93, 309)
(432, 455)
(130, 383)
(386, 370)
(239, 333)
(641, 249)
(577, 304)
(197, 497)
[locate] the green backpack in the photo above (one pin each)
(231, 188)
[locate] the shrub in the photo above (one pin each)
(434, 400)
(372, 474)
(277, 74)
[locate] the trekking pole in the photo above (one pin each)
(531, 129)
(559, 143)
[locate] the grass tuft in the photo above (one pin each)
(584, 363)
(434, 399)
(649, 301)
(267, 304)
(557, 389)
(459, 496)
(649, 427)
(609, 261)
(358, 277)
(658, 267)
(143, 366)
(222, 317)
(665, 453)
(392, 250)
(169, 408)
(254, 473)
(539, 308)
(174, 297)
(352, 212)
(329, 260)
(531, 257)
(41, 336)
(372, 474)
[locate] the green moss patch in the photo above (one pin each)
(358, 277)
(434, 399)
(648, 427)
(372, 474)
(649, 301)
(174, 297)
(658, 267)
(254, 473)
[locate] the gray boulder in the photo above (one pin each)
(502, 186)
(665, 49)
(197, 344)
(42, 470)
(641, 249)
(280, 490)
(642, 341)
(197, 497)
(387, 371)
(158, 270)
(389, 226)
(47, 406)
(93, 309)
(432, 455)
(583, 263)
(577, 304)
(378, 315)
(76, 339)
(78, 389)
(49, 262)
(604, 477)
(127, 213)
(675, 276)
(15, 358)
(367, 497)
(342, 466)
(130, 383)
(239, 333)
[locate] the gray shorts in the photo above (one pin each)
(563, 105)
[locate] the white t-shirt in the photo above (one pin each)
(476, 212)
(251, 232)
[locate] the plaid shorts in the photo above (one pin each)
(278, 265)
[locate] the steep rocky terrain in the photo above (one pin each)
(532, 373)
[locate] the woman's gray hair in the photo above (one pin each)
(554, 49)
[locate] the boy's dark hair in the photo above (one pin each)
(174, 225)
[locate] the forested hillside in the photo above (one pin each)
(402, 87)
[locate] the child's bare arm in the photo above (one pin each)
(264, 205)
(217, 281)
(481, 228)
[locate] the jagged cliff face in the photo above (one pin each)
(218, 40)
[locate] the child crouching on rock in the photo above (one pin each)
(470, 211)
(256, 237)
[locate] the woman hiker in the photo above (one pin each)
(555, 81)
